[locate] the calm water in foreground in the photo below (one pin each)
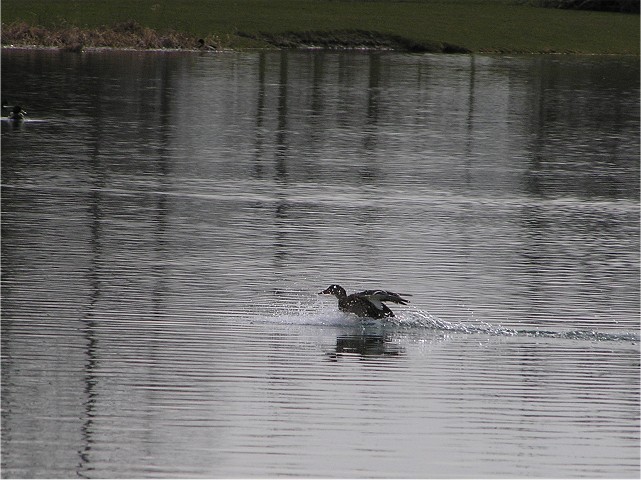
(167, 220)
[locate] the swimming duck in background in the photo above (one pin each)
(368, 303)
(17, 114)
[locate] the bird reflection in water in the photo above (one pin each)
(365, 346)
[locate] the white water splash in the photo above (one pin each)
(418, 319)
(318, 314)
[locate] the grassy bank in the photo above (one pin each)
(432, 25)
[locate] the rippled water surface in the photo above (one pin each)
(168, 219)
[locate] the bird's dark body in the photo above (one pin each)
(362, 307)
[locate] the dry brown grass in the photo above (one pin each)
(123, 35)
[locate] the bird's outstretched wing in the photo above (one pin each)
(378, 296)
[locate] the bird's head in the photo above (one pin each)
(336, 290)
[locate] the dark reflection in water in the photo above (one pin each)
(365, 346)
(167, 218)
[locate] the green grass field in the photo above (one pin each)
(479, 26)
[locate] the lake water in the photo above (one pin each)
(169, 218)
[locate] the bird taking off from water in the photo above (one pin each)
(368, 303)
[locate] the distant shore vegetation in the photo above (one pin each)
(621, 6)
(455, 26)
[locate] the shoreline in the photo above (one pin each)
(131, 36)
(301, 49)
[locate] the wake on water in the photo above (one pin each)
(419, 319)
